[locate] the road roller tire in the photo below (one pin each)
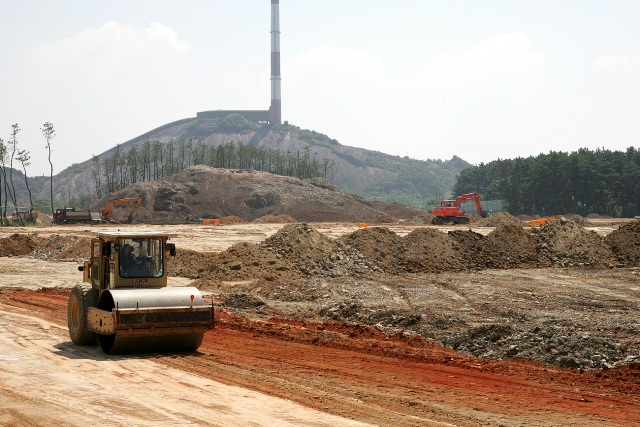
(81, 298)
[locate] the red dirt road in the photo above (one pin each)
(365, 375)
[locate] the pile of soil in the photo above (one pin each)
(562, 345)
(625, 244)
(420, 219)
(232, 220)
(510, 246)
(428, 250)
(62, 248)
(580, 220)
(246, 261)
(399, 210)
(471, 248)
(379, 245)
(17, 245)
(204, 192)
(566, 244)
(188, 263)
(301, 246)
(502, 218)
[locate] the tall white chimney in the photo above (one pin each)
(275, 113)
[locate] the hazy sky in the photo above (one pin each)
(427, 79)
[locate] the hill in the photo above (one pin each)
(203, 192)
(183, 143)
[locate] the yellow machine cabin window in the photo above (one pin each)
(141, 257)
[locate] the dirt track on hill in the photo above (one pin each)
(323, 347)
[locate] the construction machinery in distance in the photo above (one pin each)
(72, 216)
(449, 210)
(107, 211)
(124, 302)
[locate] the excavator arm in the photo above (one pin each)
(476, 199)
(107, 211)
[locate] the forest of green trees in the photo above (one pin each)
(584, 182)
(153, 161)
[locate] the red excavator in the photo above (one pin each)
(449, 210)
(107, 211)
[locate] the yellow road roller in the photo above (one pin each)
(124, 303)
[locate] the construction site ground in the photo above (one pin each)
(346, 338)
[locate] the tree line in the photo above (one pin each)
(153, 160)
(9, 153)
(583, 182)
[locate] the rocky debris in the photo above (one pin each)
(380, 246)
(566, 244)
(243, 301)
(63, 248)
(625, 244)
(548, 343)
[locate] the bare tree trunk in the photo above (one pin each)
(49, 133)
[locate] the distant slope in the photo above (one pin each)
(203, 192)
(368, 173)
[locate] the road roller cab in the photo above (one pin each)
(124, 302)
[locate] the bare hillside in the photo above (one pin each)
(205, 192)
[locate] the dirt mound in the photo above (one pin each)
(502, 218)
(300, 245)
(246, 261)
(398, 210)
(510, 246)
(566, 244)
(43, 218)
(379, 245)
(420, 219)
(188, 263)
(471, 249)
(276, 219)
(428, 250)
(548, 343)
(17, 245)
(580, 220)
(204, 192)
(62, 247)
(232, 220)
(625, 243)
